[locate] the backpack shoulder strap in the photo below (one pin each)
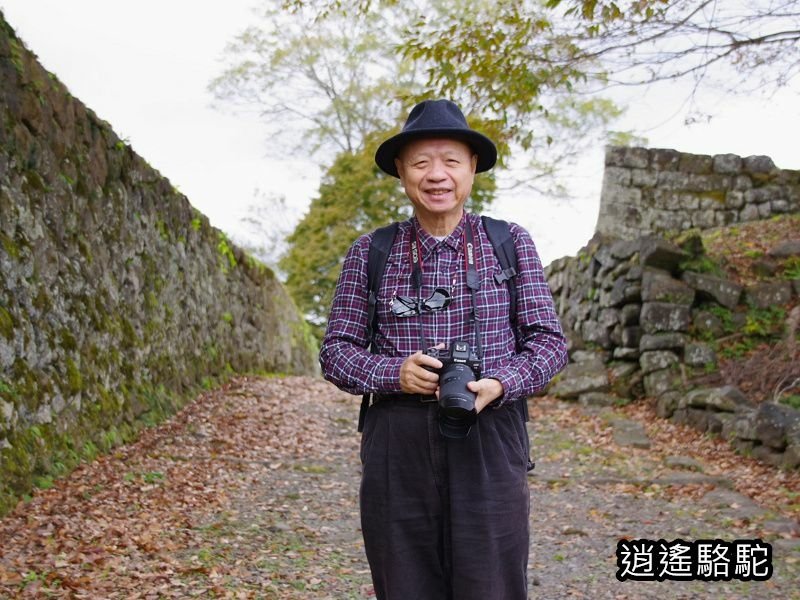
(379, 248)
(499, 234)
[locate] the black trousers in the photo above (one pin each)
(445, 519)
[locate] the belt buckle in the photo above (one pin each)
(427, 399)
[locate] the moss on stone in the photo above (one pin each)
(11, 248)
(74, 377)
(715, 195)
(6, 324)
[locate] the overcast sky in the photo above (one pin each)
(145, 66)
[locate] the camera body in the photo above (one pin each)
(460, 365)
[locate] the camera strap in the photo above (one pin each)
(473, 282)
(472, 277)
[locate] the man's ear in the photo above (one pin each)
(398, 164)
(474, 163)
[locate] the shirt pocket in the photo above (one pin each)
(390, 328)
(493, 306)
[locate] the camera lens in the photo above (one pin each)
(455, 400)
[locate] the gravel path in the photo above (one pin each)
(277, 514)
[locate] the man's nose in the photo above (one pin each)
(437, 171)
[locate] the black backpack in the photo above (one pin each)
(499, 234)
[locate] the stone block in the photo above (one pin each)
(608, 317)
(667, 404)
(734, 199)
(660, 382)
(660, 286)
(762, 195)
(769, 293)
(721, 291)
(664, 159)
(596, 333)
(661, 317)
(615, 156)
(758, 164)
(662, 341)
(696, 163)
(657, 360)
(726, 399)
(779, 207)
(644, 177)
(660, 254)
(637, 158)
(767, 455)
(742, 182)
(791, 457)
(785, 249)
(626, 353)
(635, 274)
(579, 378)
(699, 354)
(729, 164)
(741, 427)
(631, 336)
(749, 212)
(707, 323)
(717, 421)
(697, 418)
(705, 219)
(624, 249)
(725, 217)
(629, 314)
(773, 422)
(589, 356)
(672, 180)
(619, 176)
(712, 185)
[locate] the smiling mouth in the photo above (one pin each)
(438, 192)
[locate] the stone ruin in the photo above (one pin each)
(639, 310)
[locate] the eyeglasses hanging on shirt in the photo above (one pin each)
(405, 306)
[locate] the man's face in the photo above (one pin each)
(437, 176)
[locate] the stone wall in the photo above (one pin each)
(641, 323)
(117, 298)
(658, 191)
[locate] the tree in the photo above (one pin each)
(593, 45)
(332, 81)
(354, 198)
(737, 45)
(266, 225)
(320, 85)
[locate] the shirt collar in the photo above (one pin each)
(427, 242)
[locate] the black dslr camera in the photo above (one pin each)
(460, 365)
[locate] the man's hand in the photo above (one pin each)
(415, 378)
(488, 391)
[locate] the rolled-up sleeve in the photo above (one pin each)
(344, 356)
(542, 347)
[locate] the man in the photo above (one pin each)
(444, 502)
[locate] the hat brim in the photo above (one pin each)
(480, 144)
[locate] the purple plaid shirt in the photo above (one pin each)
(347, 362)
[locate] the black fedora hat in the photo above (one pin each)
(436, 118)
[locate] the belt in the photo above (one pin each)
(421, 398)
